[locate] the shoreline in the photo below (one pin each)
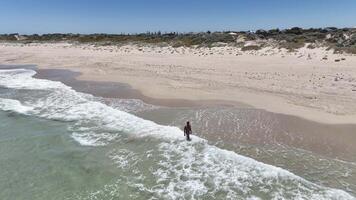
(108, 89)
(289, 130)
(308, 135)
(187, 78)
(253, 128)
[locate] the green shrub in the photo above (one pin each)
(251, 48)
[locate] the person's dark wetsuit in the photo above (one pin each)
(187, 131)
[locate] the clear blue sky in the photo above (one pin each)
(110, 16)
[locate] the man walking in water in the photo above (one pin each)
(187, 130)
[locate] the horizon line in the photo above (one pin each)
(178, 32)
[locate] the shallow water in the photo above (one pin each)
(39, 160)
(323, 154)
(61, 144)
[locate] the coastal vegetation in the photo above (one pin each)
(341, 40)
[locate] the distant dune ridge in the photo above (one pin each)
(309, 73)
(341, 40)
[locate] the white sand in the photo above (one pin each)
(301, 83)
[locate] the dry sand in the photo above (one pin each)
(301, 83)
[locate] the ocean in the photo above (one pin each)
(58, 143)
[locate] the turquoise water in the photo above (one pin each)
(39, 160)
(57, 143)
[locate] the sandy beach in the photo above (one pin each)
(314, 84)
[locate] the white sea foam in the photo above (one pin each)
(195, 168)
(14, 105)
(22, 78)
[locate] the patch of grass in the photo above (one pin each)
(251, 48)
(292, 46)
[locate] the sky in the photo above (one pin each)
(135, 16)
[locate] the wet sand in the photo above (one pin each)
(120, 90)
(241, 126)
